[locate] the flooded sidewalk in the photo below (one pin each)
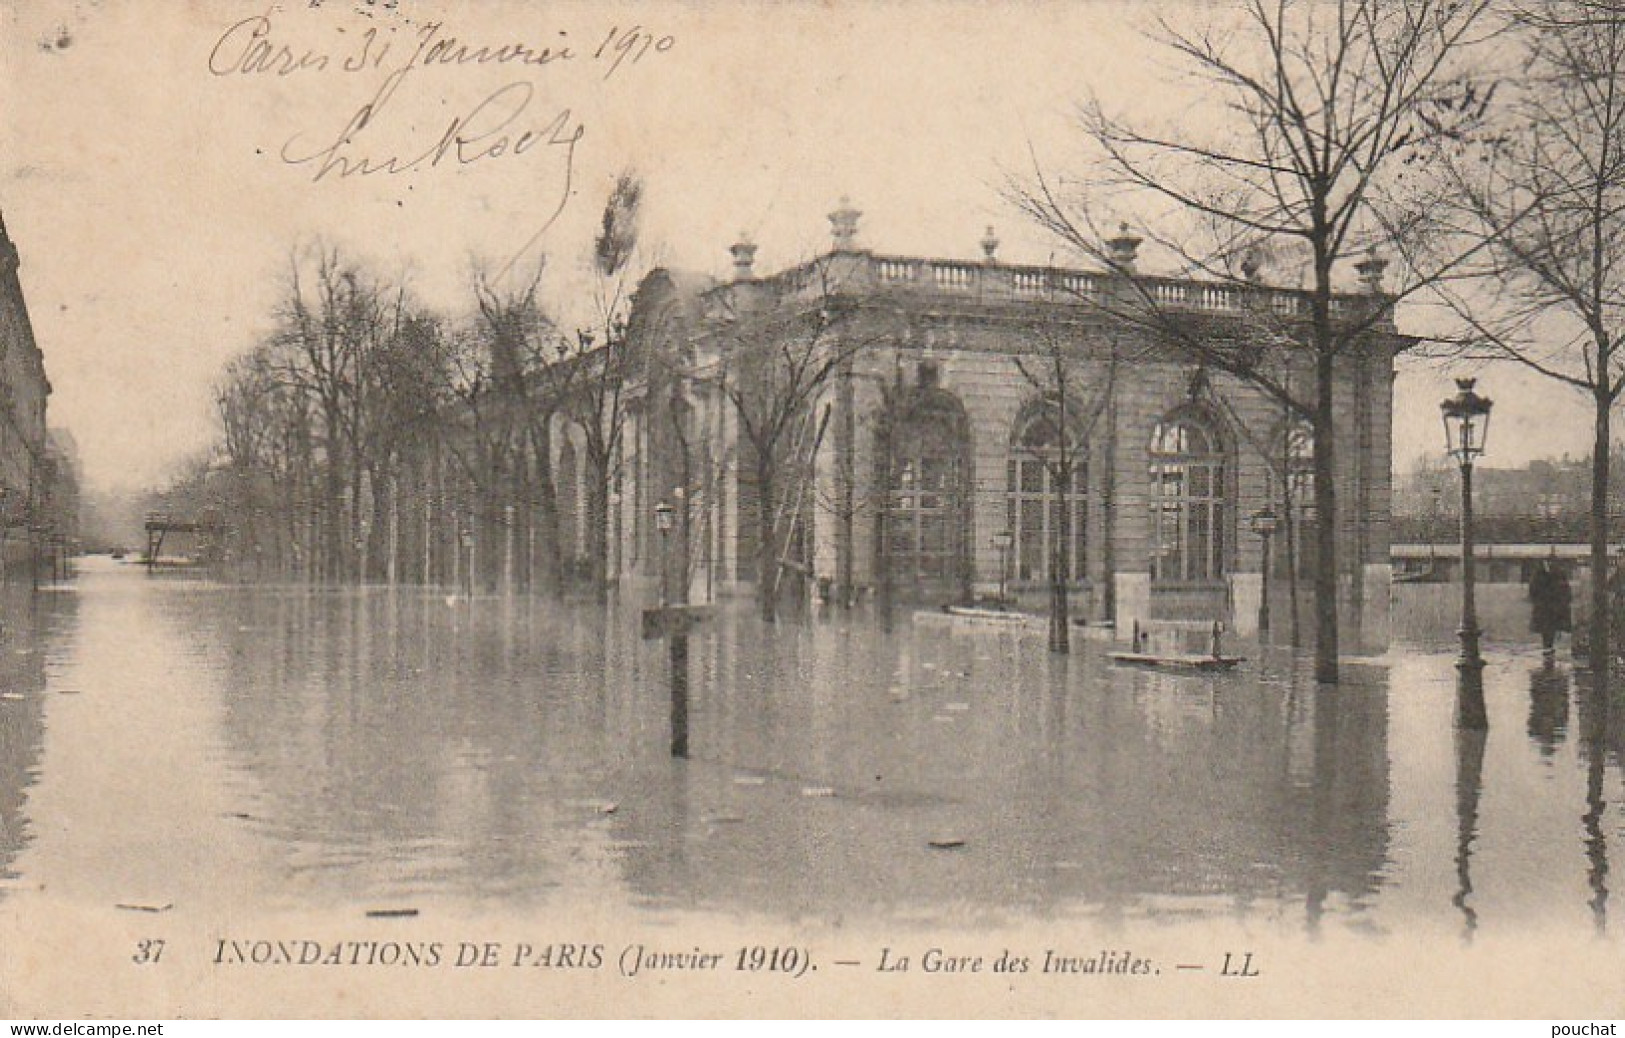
(179, 750)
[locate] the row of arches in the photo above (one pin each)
(1047, 495)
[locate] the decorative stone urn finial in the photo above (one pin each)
(1123, 249)
(744, 254)
(1371, 270)
(843, 225)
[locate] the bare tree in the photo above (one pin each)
(334, 326)
(777, 363)
(1310, 109)
(1071, 407)
(1542, 190)
(482, 437)
(402, 389)
(522, 343)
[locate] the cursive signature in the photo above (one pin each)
(491, 129)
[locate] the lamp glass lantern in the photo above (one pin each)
(1264, 522)
(1466, 422)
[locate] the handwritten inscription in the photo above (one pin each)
(251, 47)
(412, 120)
(493, 128)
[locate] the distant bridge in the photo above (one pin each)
(159, 524)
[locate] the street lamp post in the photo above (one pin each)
(663, 522)
(676, 639)
(1003, 540)
(1264, 523)
(1466, 426)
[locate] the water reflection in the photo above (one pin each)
(387, 748)
(26, 620)
(1548, 706)
(1601, 736)
(1596, 843)
(1469, 786)
(406, 745)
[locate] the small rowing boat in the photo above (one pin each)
(997, 616)
(1182, 662)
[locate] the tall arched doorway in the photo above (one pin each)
(1189, 501)
(925, 548)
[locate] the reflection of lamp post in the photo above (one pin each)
(1466, 426)
(1264, 523)
(663, 522)
(1003, 540)
(465, 538)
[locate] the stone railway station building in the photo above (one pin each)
(958, 361)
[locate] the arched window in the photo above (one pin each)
(1037, 485)
(926, 516)
(1187, 501)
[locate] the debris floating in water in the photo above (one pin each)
(946, 843)
(609, 809)
(817, 791)
(391, 913)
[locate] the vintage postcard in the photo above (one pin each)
(902, 509)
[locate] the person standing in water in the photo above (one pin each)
(1551, 601)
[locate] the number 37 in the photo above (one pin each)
(148, 951)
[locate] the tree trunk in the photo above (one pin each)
(332, 508)
(1108, 500)
(767, 558)
(1289, 516)
(546, 561)
(1601, 620)
(1060, 563)
(1325, 524)
(379, 533)
(598, 530)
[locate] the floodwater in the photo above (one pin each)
(187, 753)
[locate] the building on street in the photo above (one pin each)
(24, 392)
(920, 460)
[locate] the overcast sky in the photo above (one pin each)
(155, 188)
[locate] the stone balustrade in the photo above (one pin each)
(989, 282)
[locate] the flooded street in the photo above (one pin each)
(198, 761)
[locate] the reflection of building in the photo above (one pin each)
(22, 714)
(23, 392)
(59, 501)
(1130, 791)
(944, 429)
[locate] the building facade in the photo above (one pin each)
(24, 390)
(954, 430)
